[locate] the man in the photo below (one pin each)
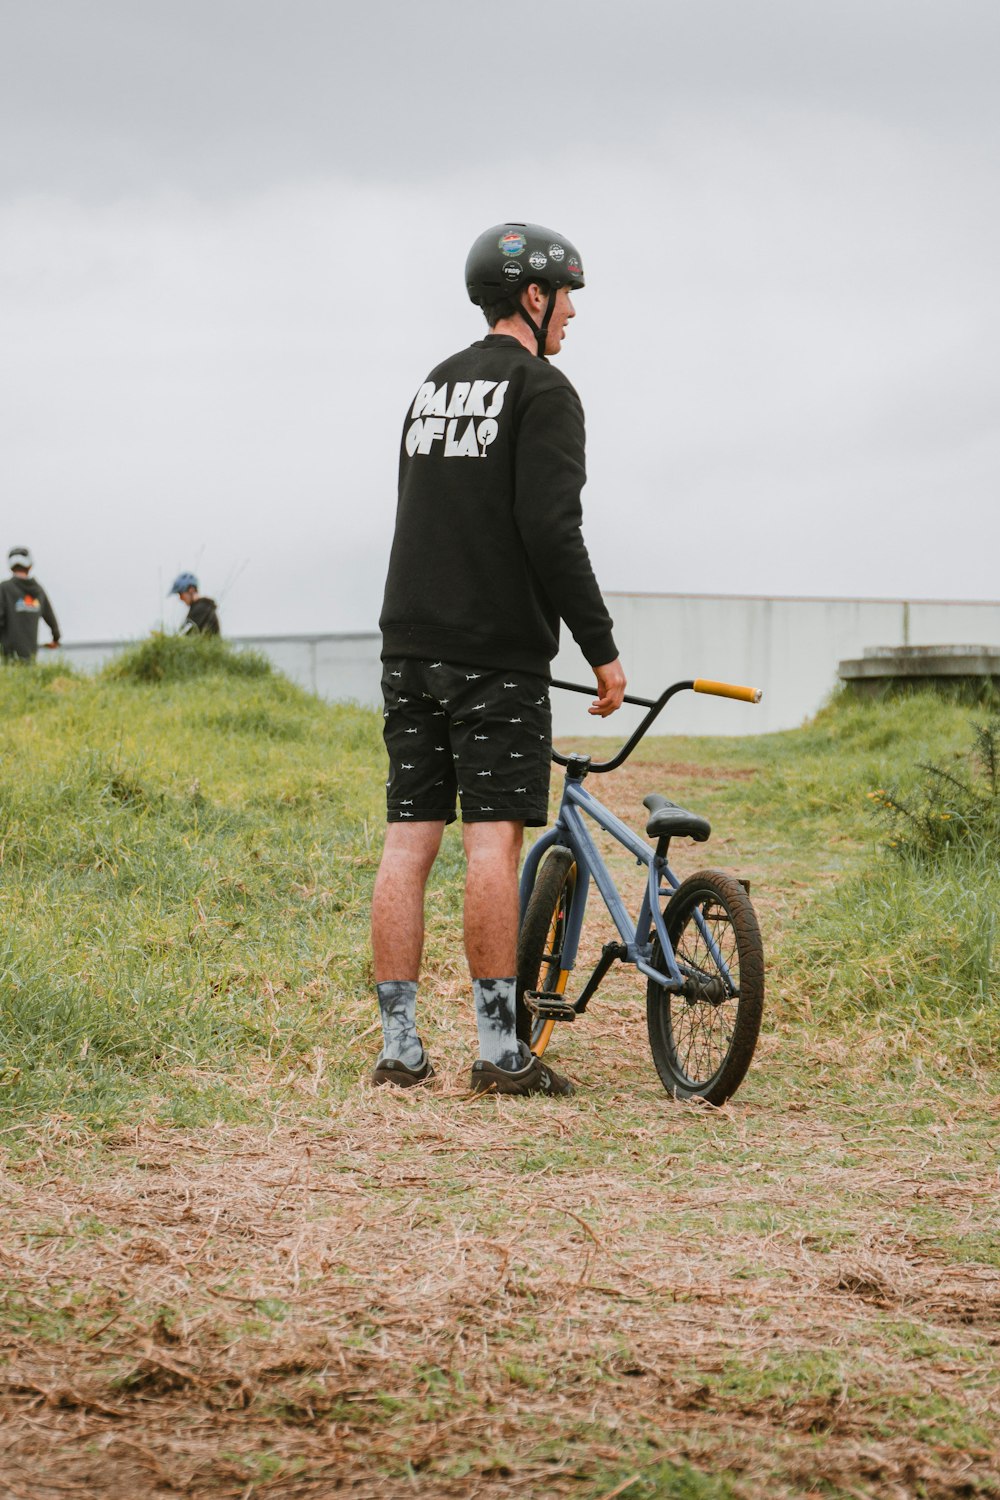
(23, 603)
(487, 558)
(202, 617)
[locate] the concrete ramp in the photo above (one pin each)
(921, 666)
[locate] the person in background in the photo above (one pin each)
(202, 613)
(23, 602)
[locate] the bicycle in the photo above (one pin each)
(697, 941)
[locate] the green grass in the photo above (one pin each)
(667, 1481)
(188, 843)
(909, 940)
(897, 945)
(181, 658)
(808, 790)
(184, 897)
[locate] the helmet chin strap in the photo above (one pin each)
(541, 332)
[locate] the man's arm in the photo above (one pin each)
(549, 476)
(48, 615)
(611, 686)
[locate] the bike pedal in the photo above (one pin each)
(548, 1006)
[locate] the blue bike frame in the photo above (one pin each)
(570, 830)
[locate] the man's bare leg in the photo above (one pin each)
(408, 854)
(492, 853)
(397, 941)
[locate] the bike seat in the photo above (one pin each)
(670, 821)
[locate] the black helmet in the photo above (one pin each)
(510, 256)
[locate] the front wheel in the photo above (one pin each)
(703, 1038)
(540, 941)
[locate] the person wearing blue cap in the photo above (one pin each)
(203, 615)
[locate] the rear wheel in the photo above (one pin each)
(540, 942)
(702, 1039)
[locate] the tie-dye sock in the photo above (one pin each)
(397, 1002)
(496, 1020)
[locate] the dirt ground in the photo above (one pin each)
(456, 1317)
(426, 1294)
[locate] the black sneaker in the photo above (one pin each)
(391, 1070)
(534, 1078)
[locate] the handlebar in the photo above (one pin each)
(655, 706)
(727, 690)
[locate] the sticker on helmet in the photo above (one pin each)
(512, 270)
(512, 243)
(557, 252)
(536, 260)
(574, 267)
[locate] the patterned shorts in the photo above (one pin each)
(482, 734)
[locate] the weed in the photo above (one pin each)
(949, 811)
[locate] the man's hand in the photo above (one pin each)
(610, 688)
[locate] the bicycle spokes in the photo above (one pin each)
(702, 1019)
(702, 1037)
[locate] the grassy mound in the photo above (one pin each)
(185, 869)
(179, 658)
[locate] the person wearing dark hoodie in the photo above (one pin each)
(203, 615)
(487, 560)
(23, 603)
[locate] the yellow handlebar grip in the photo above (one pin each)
(727, 690)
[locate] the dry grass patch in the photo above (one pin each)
(436, 1295)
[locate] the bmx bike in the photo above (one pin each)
(696, 941)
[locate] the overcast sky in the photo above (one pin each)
(232, 237)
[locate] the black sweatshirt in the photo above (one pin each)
(202, 618)
(488, 555)
(23, 602)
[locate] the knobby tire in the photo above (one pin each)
(539, 943)
(702, 1042)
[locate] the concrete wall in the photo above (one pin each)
(788, 647)
(338, 667)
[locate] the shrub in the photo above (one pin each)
(948, 812)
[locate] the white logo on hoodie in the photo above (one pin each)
(456, 416)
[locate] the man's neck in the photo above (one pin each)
(517, 328)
